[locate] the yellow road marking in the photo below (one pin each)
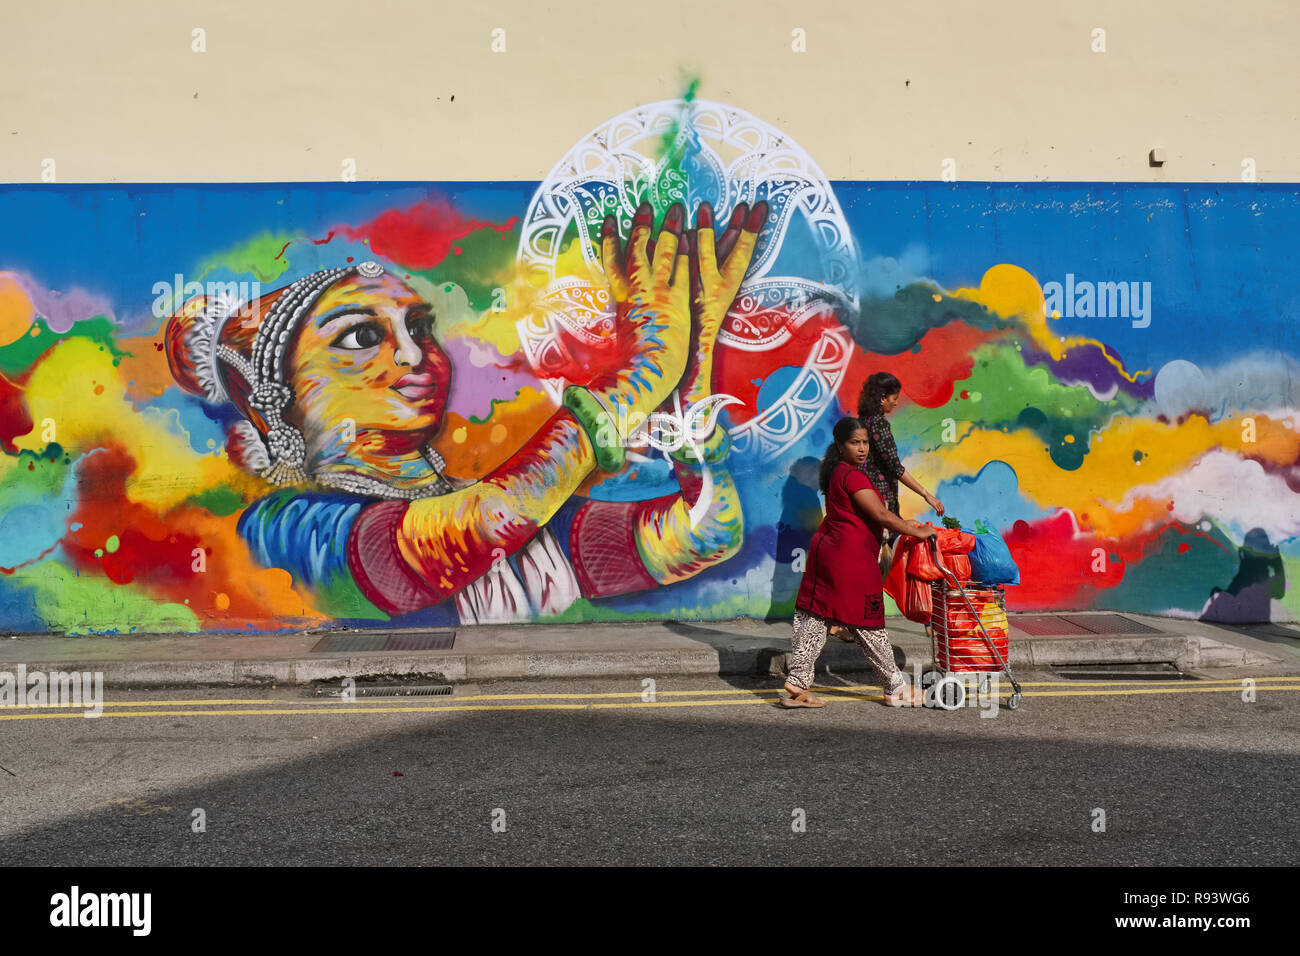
(334, 702)
(390, 710)
(756, 697)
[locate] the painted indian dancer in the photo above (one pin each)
(341, 386)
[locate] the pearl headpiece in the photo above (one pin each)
(281, 459)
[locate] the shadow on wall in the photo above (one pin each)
(1260, 579)
(801, 513)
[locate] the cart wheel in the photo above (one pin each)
(949, 701)
(1013, 702)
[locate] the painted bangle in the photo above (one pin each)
(713, 450)
(599, 426)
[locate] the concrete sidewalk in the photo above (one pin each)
(632, 650)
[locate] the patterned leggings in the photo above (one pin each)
(810, 637)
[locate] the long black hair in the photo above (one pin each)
(875, 388)
(842, 432)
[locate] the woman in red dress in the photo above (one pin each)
(841, 584)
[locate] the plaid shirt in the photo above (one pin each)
(883, 467)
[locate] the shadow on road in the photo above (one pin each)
(681, 787)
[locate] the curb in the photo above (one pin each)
(754, 658)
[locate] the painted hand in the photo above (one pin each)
(718, 267)
(650, 288)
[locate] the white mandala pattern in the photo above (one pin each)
(729, 156)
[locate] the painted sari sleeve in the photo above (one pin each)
(410, 555)
(309, 535)
(619, 547)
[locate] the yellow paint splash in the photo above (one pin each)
(62, 396)
(16, 310)
(1109, 472)
(1012, 292)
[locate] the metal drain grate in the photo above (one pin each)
(385, 691)
(1151, 670)
(398, 641)
(428, 690)
(1046, 625)
(1113, 624)
(1053, 625)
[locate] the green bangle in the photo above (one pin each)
(599, 426)
(712, 451)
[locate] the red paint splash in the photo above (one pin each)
(741, 373)
(419, 237)
(1057, 561)
(148, 545)
(14, 417)
(928, 372)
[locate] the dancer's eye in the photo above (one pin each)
(364, 336)
(420, 325)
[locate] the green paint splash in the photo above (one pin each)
(260, 257)
(1013, 396)
(84, 604)
(21, 355)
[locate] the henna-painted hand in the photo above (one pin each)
(718, 267)
(650, 287)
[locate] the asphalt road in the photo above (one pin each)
(711, 772)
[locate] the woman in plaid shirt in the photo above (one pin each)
(880, 396)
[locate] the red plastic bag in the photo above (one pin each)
(920, 562)
(958, 564)
(896, 581)
(917, 604)
(953, 541)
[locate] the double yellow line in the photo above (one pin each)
(615, 700)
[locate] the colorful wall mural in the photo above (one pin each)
(602, 396)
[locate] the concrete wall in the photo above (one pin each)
(1011, 90)
(1097, 355)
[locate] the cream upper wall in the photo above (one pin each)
(1009, 89)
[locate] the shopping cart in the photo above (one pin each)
(968, 635)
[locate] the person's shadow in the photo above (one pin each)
(1260, 579)
(801, 513)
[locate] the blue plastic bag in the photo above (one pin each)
(991, 561)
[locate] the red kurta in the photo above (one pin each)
(842, 580)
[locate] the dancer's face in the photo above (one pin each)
(856, 447)
(367, 353)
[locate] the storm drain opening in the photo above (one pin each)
(400, 640)
(1157, 670)
(387, 691)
